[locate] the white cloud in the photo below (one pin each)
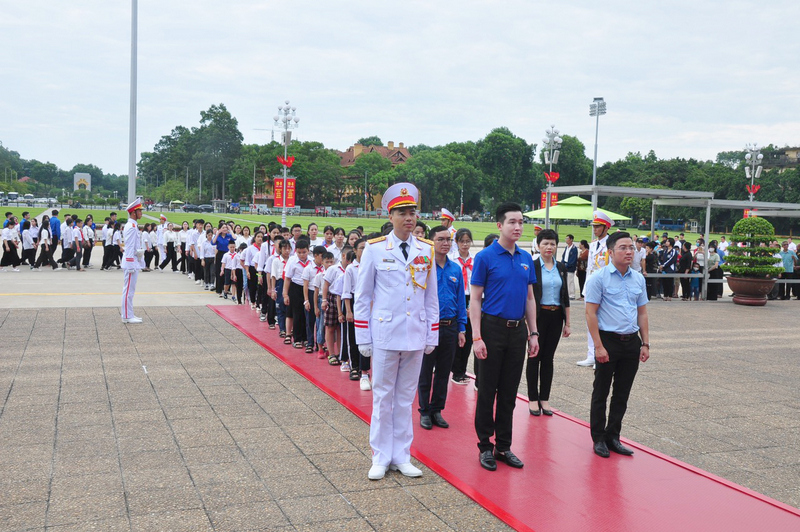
(682, 78)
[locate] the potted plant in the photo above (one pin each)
(751, 265)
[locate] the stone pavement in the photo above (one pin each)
(182, 423)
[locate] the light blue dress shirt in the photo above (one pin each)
(619, 297)
(551, 286)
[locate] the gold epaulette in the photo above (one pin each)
(429, 242)
(379, 239)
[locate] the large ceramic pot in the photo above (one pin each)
(750, 291)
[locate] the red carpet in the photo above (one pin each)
(563, 485)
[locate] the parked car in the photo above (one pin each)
(205, 208)
(465, 218)
(189, 207)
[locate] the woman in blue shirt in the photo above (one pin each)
(552, 316)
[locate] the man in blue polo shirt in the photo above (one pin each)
(616, 315)
(452, 333)
(503, 279)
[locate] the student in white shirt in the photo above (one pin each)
(266, 255)
(45, 246)
(337, 288)
(251, 255)
(311, 271)
(338, 244)
(182, 238)
(28, 245)
(9, 238)
(319, 314)
(276, 280)
(78, 244)
(332, 323)
(464, 259)
(293, 293)
(88, 239)
(228, 269)
(207, 253)
(359, 365)
(314, 239)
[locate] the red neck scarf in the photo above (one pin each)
(466, 267)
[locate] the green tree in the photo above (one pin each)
(374, 140)
(375, 167)
(508, 170)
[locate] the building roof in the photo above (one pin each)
(396, 154)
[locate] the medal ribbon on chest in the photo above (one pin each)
(419, 265)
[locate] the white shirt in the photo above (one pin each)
(310, 273)
(638, 257)
(109, 236)
(27, 240)
(792, 246)
(294, 269)
(44, 236)
(350, 279)
(333, 276)
(317, 282)
(209, 250)
(723, 245)
(230, 261)
(88, 232)
(9, 234)
(276, 271)
(251, 255)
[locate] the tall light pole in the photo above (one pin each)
(286, 118)
(550, 146)
(254, 187)
(596, 108)
(753, 168)
(132, 132)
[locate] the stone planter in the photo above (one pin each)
(750, 291)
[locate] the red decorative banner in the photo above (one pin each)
(277, 191)
(750, 213)
(287, 162)
(753, 189)
(553, 199)
(290, 192)
(552, 177)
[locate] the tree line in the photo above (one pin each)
(211, 161)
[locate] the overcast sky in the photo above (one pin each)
(686, 79)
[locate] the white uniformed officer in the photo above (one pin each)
(397, 318)
(598, 258)
(447, 221)
(132, 261)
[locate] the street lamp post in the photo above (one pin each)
(597, 108)
(550, 146)
(287, 119)
(753, 168)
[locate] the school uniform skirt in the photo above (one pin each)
(332, 314)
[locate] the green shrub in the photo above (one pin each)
(752, 260)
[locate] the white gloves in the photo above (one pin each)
(429, 349)
(365, 349)
(140, 253)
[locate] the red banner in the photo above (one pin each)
(552, 177)
(277, 186)
(290, 192)
(553, 199)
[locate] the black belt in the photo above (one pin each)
(550, 307)
(511, 324)
(447, 323)
(622, 337)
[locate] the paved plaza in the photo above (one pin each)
(183, 423)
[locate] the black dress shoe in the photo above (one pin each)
(509, 458)
(537, 412)
(545, 411)
(617, 447)
(488, 461)
(425, 422)
(439, 421)
(601, 449)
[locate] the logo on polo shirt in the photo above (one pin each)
(525, 266)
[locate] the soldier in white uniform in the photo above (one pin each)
(535, 245)
(132, 261)
(396, 318)
(160, 243)
(447, 221)
(598, 258)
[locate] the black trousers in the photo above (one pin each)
(46, 257)
(498, 379)
(619, 371)
(87, 253)
(434, 375)
(182, 260)
(686, 288)
(170, 256)
(786, 289)
(714, 289)
(217, 269)
(539, 372)
(252, 284)
(298, 313)
(461, 358)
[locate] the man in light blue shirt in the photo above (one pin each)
(616, 314)
(789, 259)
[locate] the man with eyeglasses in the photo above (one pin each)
(598, 259)
(435, 372)
(616, 315)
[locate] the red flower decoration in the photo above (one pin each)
(753, 189)
(287, 162)
(552, 177)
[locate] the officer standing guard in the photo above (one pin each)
(396, 317)
(132, 261)
(447, 221)
(598, 259)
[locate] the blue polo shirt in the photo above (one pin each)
(505, 279)
(452, 300)
(222, 242)
(619, 297)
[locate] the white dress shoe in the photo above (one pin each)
(406, 469)
(377, 472)
(132, 320)
(588, 363)
(365, 384)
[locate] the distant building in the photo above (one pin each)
(782, 159)
(396, 154)
(82, 181)
(353, 184)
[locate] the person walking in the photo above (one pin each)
(396, 317)
(552, 319)
(133, 261)
(501, 304)
(616, 314)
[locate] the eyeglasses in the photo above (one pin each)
(624, 248)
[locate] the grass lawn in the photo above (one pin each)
(479, 229)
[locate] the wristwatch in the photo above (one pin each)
(646, 344)
(534, 333)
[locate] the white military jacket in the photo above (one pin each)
(397, 299)
(132, 238)
(598, 255)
